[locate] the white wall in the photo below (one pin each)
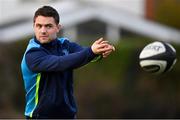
(5, 9)
(136, 7)
(12, 10)
(16, 9)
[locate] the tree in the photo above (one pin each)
(167, 12)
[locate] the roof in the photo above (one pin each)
(73, 13)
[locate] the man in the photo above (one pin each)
(47, 67)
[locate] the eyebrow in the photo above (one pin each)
(49, 24)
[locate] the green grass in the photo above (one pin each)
(115, 87)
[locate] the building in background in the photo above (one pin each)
(109, 18)
(149, 9)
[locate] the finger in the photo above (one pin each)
(107, 42)
(105, 55)
(104, 41)
(99, 40)
(113, 48)
(108, 46)
(103, 45)
(108, 52)
(104, 49)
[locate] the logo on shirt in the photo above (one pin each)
(65, 51)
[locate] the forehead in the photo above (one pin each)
(44, 20)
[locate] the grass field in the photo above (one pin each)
(115, 87)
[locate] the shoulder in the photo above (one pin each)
(32, 44)
(63, 40)
(34, 47)
(71, 46)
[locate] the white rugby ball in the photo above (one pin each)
(157, 57)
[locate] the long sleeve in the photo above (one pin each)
(38, 60)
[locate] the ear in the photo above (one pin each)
(58, 27)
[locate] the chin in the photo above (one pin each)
(45, 40)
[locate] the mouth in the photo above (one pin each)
(43, 36)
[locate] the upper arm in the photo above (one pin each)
(74, 47)
(39, 60)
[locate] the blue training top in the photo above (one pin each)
(47, 70)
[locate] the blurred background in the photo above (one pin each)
(115, 87)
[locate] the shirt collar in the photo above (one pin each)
(52, 43)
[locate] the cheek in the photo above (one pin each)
(36, 32)
(52, 34)
(54, 31)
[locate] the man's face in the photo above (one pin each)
(45, 29)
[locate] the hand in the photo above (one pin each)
(103, 47)
(108, 52)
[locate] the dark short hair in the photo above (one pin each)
(47, 11)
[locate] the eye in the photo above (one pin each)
(38, 26)
(49, 26)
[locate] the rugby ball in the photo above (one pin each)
(157, 57)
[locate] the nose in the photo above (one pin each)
(43, 30)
